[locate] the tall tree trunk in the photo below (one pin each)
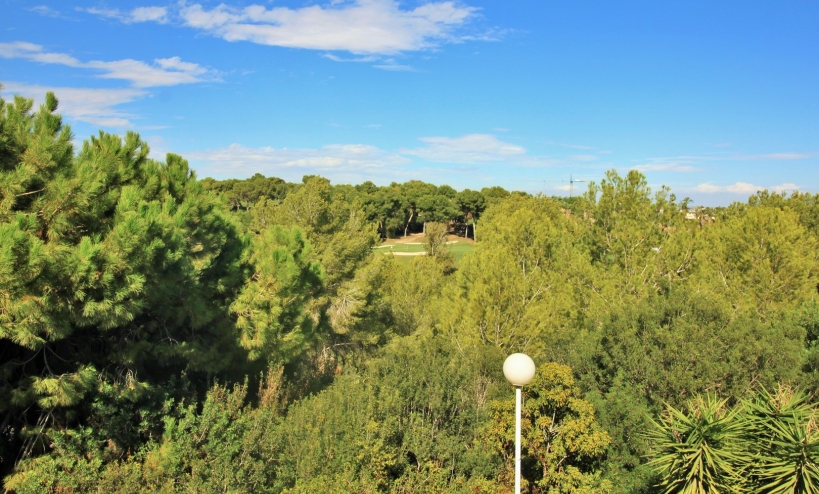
(406, 227)
(474, 230)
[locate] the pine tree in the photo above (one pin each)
(115, 270)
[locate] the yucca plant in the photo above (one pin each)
(698, 452)
(781, 442)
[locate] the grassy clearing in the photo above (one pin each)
(400, 248)
(405, 251)
(460, 249)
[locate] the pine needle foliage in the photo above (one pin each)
(115, 269)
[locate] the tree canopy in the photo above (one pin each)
(159, 332)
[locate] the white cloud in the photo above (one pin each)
(158, 147)
(787, 187)
(94, 106)
(392, 66)
(583, 157)
(570, 146)
(376, 27)
(778, 156)
(469, 149)
(145, 14)
(694, 163)
(18, 49)
(237, 160)
(666, 167)
(693, 159)
(383, 64)
(335, 58)
(743, 188)
(139, 14)
(45, 11)
(164, 71)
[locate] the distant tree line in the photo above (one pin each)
(396, 209)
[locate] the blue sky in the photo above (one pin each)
(714, 99)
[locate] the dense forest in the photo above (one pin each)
(164, 333)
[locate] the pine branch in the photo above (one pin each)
(29, 193)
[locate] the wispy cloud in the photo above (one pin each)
(392, 66)
(743, 188)
(139, 14)
(46, 11)
(666, 167)
(693, 163)
(94, 106)
(237, 160)
(776, 156)
(468, 149)
(335, 58)
(583, 158)
(158, 147)
(369, 27)
(99, 106)
(458, 161)
(788, 187)
(381, 62)
(163, 72)
(570, 146)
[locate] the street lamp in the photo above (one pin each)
(519, 370)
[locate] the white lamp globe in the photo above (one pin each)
(519, 369)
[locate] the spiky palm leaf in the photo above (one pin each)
(698, 452)
(782, 442)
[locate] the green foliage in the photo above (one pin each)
(506, 293)
(413, 293)
(387, 429)
(472, 205)
(337, 230)
(562, 443)
(782, 442)
(435, 239)
(271, 311)
(112, 264)
(804, 204)
(243, 194)
(127, 286)
(698, 452)
(763, 258)
(437, 208)
(494, 195)
(218, 449)
(768, 443)
(118, 273)
(671, 347)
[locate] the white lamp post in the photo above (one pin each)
(519, 370)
